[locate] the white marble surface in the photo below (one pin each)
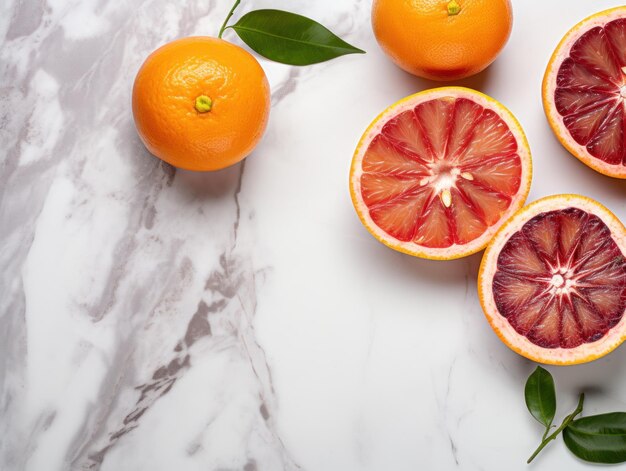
(156, 319)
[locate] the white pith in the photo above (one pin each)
(443, 176)
(563, 280)
(519, 343)
(549, 88)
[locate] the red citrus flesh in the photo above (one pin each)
(561, 279)
(442, 173)
(552, 282)
(586, 85)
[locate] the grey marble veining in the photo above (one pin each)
(121, 266)
(154, 318)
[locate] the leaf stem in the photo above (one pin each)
(566, 421)
(230, 13)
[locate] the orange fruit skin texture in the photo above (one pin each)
(423, 39)
(164, 97)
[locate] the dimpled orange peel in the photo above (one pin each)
(442, 39)
(201, 103)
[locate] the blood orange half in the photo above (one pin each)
(552, 282)
(584, 89)
(436, 173)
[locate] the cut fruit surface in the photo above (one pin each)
(552, 282)
(584, 92)
(436, 173)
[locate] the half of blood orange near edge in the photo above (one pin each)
(552, 282)
(437, 173)
(584, 91)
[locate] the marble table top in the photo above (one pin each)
(244, 320)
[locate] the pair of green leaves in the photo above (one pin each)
(288, 38)
(598, 439)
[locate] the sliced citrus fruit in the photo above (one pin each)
(584, 89)
(436, 173)
(552, 282)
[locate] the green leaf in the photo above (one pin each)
(540, 396)
(598, 438)
(566, 421)
(293, 39)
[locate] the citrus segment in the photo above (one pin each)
(584, 91)
(501, 175)
(436, 173)
(387, 156)
(553, 281)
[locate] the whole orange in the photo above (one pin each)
(201, 103)
(442, 39)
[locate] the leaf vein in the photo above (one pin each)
(286, 38)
